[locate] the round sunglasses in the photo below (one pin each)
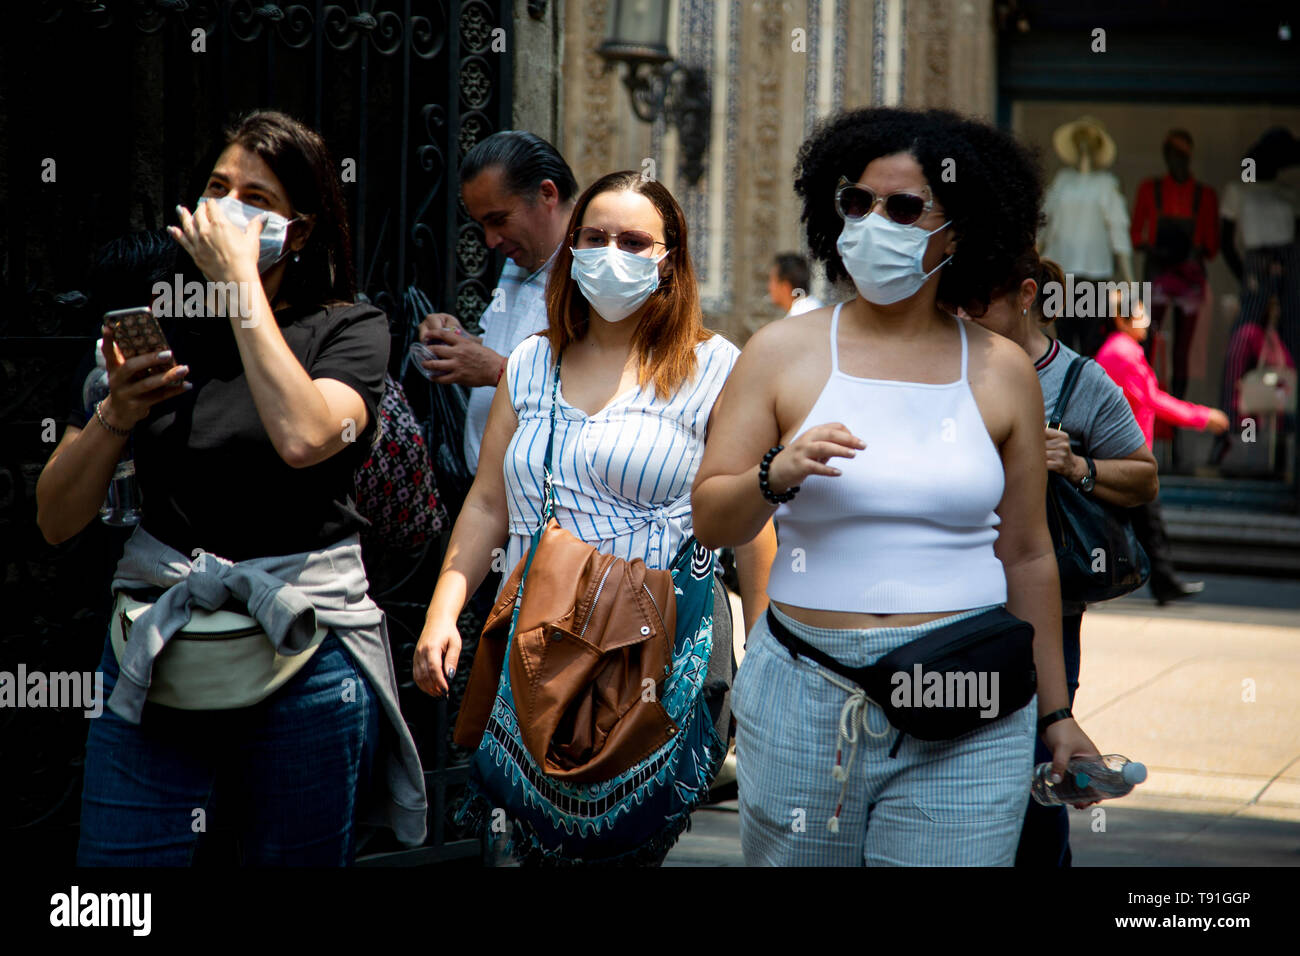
(629, 240)
(855, 201)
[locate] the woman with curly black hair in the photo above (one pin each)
(930, 524)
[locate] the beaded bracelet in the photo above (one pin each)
(764, 487)
(111, 429)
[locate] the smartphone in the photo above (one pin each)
(137, 332)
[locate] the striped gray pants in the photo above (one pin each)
(954, 802)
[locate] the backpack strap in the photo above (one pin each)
(1067, 389)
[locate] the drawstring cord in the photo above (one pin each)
(855, 712)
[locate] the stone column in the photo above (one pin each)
(538, 104)
(951, 56)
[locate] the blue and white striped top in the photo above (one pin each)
(622, 476)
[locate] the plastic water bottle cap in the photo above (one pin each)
(1081, 779)
(1134, 773)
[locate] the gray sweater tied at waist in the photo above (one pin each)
(289, 596)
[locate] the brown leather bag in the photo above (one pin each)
(591, 650)
(590, 654)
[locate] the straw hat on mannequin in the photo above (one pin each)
(1084, 136)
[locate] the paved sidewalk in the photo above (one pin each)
(1207, 695)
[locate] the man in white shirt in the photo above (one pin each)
(521, 191)
(787, 284)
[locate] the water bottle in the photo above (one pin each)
(1087, 780)
(121, 508)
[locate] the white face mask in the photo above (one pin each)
(271, 248)
(616, 283)
(884, 258)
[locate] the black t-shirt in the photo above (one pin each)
(210, 477)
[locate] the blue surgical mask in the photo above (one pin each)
(616, 283)
(884, 257)
(274, 231)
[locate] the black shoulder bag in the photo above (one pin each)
(1098, 554)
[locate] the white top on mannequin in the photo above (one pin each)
(1087, 222)
(1265, 212)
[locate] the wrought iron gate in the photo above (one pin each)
(107, 112)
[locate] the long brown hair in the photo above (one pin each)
(672, 324)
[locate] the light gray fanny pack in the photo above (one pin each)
(220, 661)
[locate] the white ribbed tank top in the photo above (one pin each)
(909, 525)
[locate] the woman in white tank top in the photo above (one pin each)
(913, 468)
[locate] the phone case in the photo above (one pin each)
(138, 334)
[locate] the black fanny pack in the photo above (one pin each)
(945, 683)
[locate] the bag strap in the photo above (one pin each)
(1067, 389)
(548, 489)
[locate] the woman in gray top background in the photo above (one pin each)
(1099, 417)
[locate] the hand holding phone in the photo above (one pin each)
(141, 368)
(137, 332)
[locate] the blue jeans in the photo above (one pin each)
(284, 776)
(1045, 837)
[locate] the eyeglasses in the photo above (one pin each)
(855, 201)
(629, 240)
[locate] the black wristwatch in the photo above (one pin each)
(1048, 719)
(1089, 481)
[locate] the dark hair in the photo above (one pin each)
(792, 268)
(672, 325)
(301, 161)
(122, 273)
(992, 193)
(1276, 149)
(1177, 134)
(525, 161)
(1029, 265)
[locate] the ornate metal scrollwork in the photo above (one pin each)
(476, 26)
(471, 252)
(90, 12)
(294, 24)
(426, 42)
(385, 28)
(152, 15)
(473, 128)
(471, 298)
(432, 160)
(475, 83)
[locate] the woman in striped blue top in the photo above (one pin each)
(638, 385)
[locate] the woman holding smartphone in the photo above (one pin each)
(245, 455)
(901, 453)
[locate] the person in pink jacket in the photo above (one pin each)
(1122, 357)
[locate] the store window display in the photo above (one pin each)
(1258, 238)
(1176, 226)
(1087, 222)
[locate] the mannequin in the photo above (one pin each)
(1175, 225)
(1087, 229)
(1262, 217)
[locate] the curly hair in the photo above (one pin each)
(992, 192)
